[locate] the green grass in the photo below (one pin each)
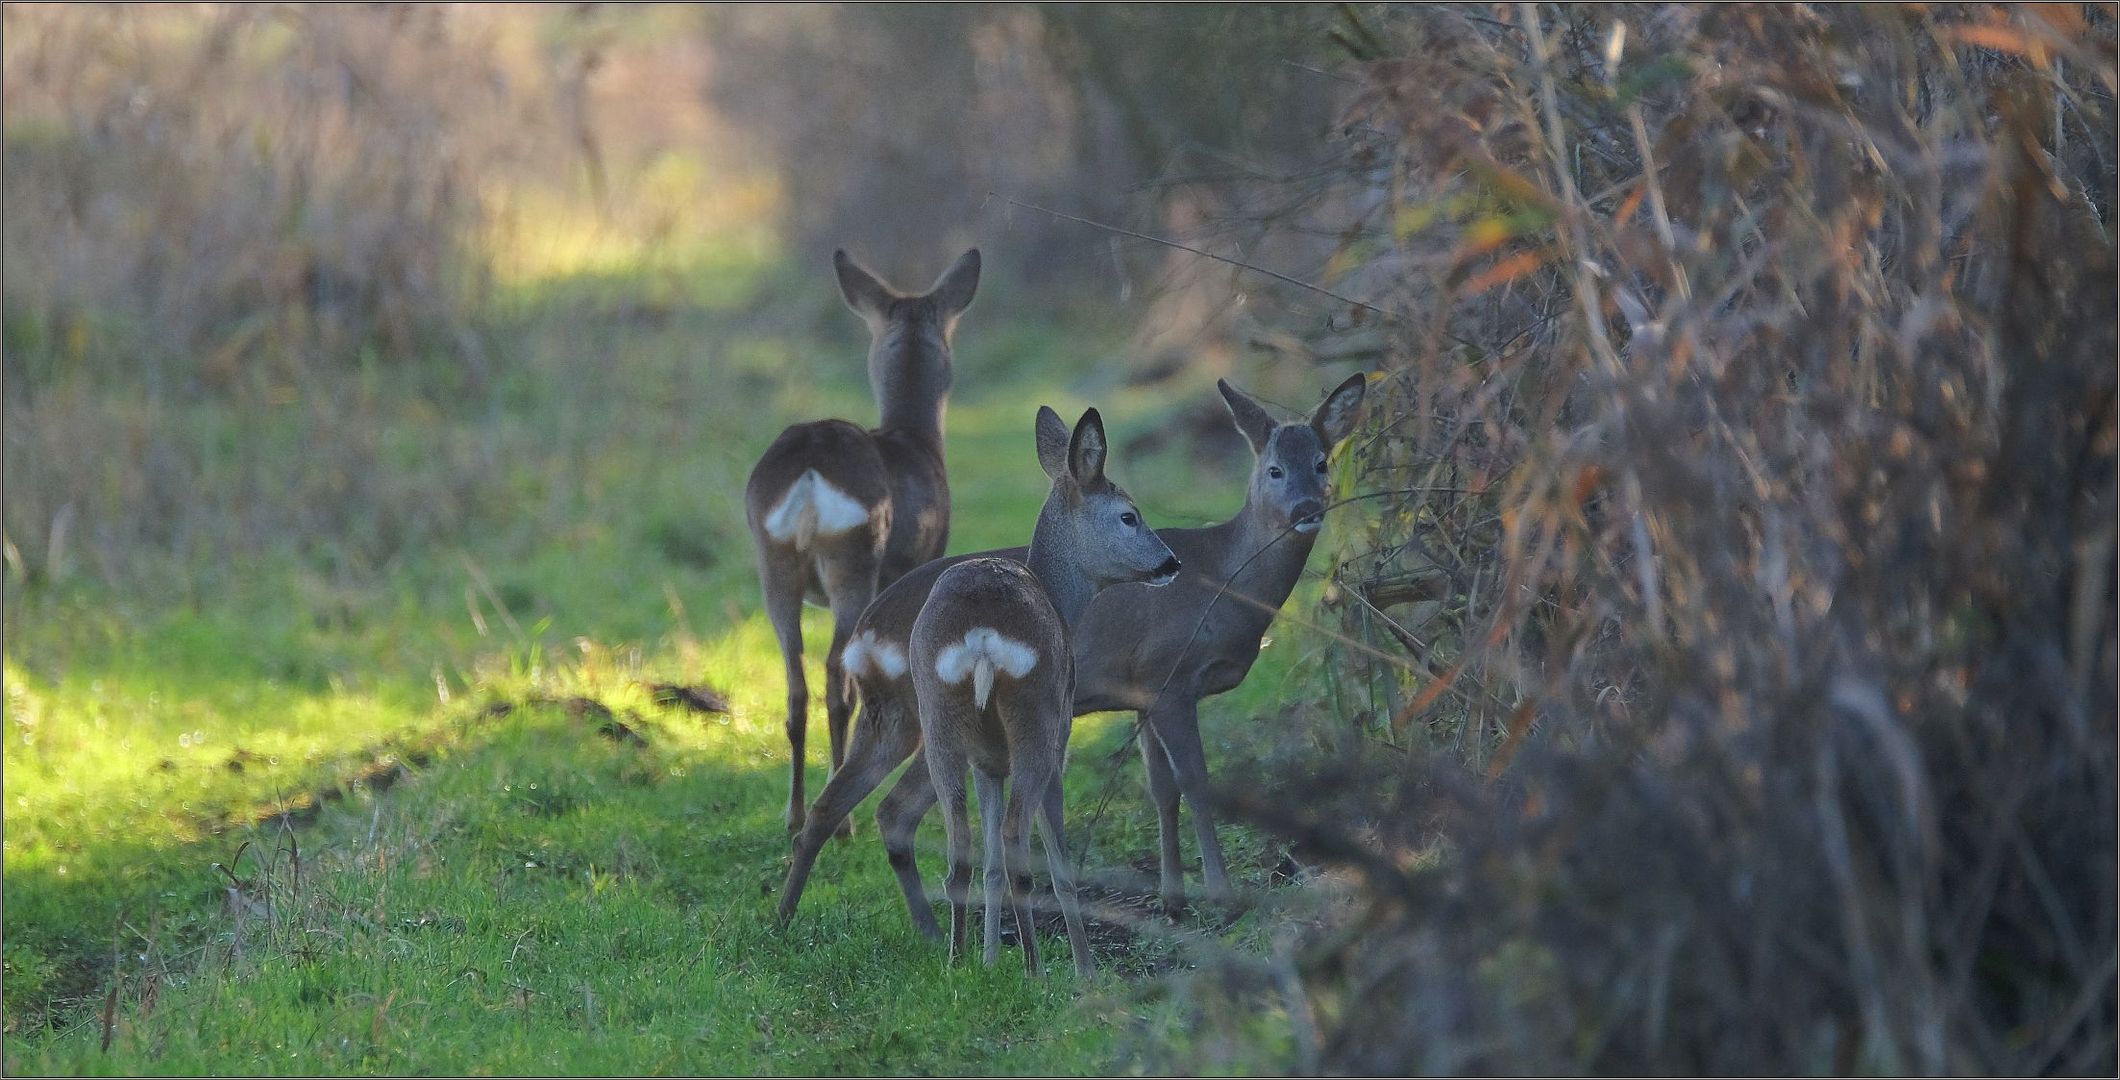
(530, 895)
(540, 898)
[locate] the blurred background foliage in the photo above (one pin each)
(302, 212)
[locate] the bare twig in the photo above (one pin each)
(1239, 263)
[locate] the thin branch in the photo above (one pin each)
(1274, 274)
(1322, 73)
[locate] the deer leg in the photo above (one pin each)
(898, 818)
(1015, 832)
(990, 814)
(1178, 728)
(838, 704)
(1053, 828)
(946, 767)
(1020, 865)
(782, 580)
(880, 741)
(1163, 795)
(849, 579)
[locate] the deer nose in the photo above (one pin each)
(1308, 515)
(1165, 573)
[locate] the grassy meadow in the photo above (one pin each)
(286, 817)
(1709, 671)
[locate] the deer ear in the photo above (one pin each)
(1336, 415)
(1085, 452)
(868, 297)
(1052, 442)
(953, 291)
(1254, 421)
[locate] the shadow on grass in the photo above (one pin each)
(543, 803)
(546, 895)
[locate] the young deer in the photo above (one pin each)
(1134, 649)
(836, 511)
(994, 677)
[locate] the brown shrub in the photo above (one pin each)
(1752, 394)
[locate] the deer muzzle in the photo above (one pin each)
(1308, 516)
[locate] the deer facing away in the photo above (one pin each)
(993, 674)
(1157, 653)
(837, 511)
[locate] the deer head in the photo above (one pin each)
(909, 337)
(1288, 480)
(1091, 521)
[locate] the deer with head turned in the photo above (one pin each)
(837, 511)
(993, 676)
(1157, 653)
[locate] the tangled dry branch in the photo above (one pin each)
(1756, 404)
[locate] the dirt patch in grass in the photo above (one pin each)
(701, 698)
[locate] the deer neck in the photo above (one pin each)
(919, 415)
(912, 389)
(1261, 560)
(1065, 584)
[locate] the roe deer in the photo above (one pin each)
(836, 511)
(994, 677)
(1134, 649)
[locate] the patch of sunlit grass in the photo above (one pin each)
(675, 233)
(88, 762)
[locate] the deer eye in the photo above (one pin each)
(1129, 520)
(1275, 471)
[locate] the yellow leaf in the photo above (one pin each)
(1412, 219)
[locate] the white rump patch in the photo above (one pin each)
(813, 506)
(1005, 653)
(983, 652)
(867, 652)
